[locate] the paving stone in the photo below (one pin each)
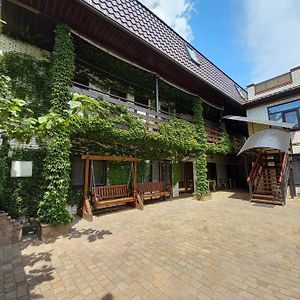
(225, 248)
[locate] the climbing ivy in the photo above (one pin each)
(113, 130)
(28, 79)
(79, 124)
(4, 169)
(52, 209)
(62, 68)
(202, 188)
(176, 172)
(21, 196)
(225, 146)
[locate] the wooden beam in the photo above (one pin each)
(86, 178)
(135, 180)
(113, 158)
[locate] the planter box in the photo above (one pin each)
(48, 231)
(201, 198)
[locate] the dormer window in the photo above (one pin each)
(192, 54)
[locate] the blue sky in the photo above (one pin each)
(216, 34)
(250, 40)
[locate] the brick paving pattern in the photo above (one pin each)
(12, 278)
(225, 248)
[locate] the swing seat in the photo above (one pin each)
(150, 190)
(110, 195)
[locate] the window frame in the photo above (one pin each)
(192, 55)
(283, 112)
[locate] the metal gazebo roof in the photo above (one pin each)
(268, 138)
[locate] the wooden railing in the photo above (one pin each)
(254, 172)
(149, 114)
(255, 167)
(283, 167)
(284, 176)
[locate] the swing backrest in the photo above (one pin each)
(150, 187)
(110, 191)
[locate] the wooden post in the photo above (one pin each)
(134, 179)
(161, 171)
(86, 178)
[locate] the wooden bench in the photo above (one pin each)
(151, 190)
(111, 194)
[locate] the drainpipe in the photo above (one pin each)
(156, 94)
(1, 22)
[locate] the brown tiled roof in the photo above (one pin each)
(140, 21)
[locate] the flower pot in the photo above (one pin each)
(49, 231)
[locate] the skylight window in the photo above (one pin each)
(192, 53)
(241, 91)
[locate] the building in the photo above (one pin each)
(127, 55)
(277, 99)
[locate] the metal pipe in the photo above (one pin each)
(156, 94)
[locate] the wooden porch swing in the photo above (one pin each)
(110, 194)
(102, 196)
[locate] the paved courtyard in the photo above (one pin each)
(225, 248)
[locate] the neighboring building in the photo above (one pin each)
(278, 99)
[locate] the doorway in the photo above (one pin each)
(186, 183)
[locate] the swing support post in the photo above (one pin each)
(135, 179)
(105, 193)
(86, 178)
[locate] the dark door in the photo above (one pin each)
(212, 171)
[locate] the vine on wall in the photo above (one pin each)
(225, 146)
(122, 172)
(202, 188)
(176, 172)
(29, 79)
(103, 129)
(52, 209)
(21, 196)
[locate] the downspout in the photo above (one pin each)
(156, 94)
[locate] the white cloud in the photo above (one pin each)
(175, 13)
(271, 29)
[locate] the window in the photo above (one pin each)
(192, 53)
(286, 112)
(81, 79)
(98, 170)
(77, 171)
(118, 94)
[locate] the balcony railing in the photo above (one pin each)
(149, 114)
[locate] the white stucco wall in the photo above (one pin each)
(261, 113)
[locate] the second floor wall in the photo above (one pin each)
(286, 109)
(119, 87)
